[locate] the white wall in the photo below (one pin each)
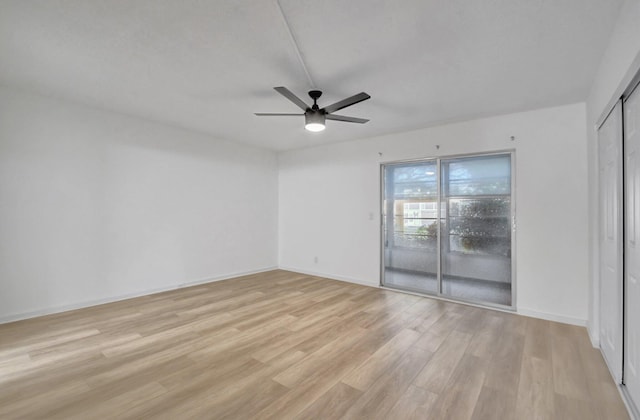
(620, 62)
(96, 205)
(329, 203)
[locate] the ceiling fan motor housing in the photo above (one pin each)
(314, 117)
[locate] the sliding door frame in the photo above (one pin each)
(439, 294)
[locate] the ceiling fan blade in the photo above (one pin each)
(271, 114)
(292, 97)
(352, 100)
(345, 119)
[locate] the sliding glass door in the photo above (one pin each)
(447, 227)
(410, 224)
(476, 233)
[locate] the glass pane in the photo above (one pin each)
(410, 226)
(478, 176)
(476, 228)
(415, 181)
(480, 226)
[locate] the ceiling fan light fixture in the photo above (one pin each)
(314, 127)
(314, 121)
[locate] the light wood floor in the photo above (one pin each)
(282, 345)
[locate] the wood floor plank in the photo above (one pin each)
(312, 338)
(283, 345)
(569, 378)
(537, 341)
(382, 360)
(320, 358)
(385, 392)
(603, 392)
(459, 397)
(482, 343)
(414, 404)
(121, 404)
(505, 363)
(495, 404)
(445, 324)
(201, 391)
(436, 373)
(332, 404)
(535, 397)
(312, 387)
(34, 407)
(430, 342)
(568, 408)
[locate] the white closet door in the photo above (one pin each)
(610, 162)
(632, 245)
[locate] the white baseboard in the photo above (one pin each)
(553, 317)
(634, 413)
(53, 310)
(521, 311)
(85, 304)
(594, 337)
(330, 276)
(624, 394)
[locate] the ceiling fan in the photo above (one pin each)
(314, 115)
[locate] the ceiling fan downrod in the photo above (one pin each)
(315, 95)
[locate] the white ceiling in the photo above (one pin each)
(209, 65)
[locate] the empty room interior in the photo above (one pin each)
(296, 209)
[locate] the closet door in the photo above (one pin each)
(610, 159)
(632, 247)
